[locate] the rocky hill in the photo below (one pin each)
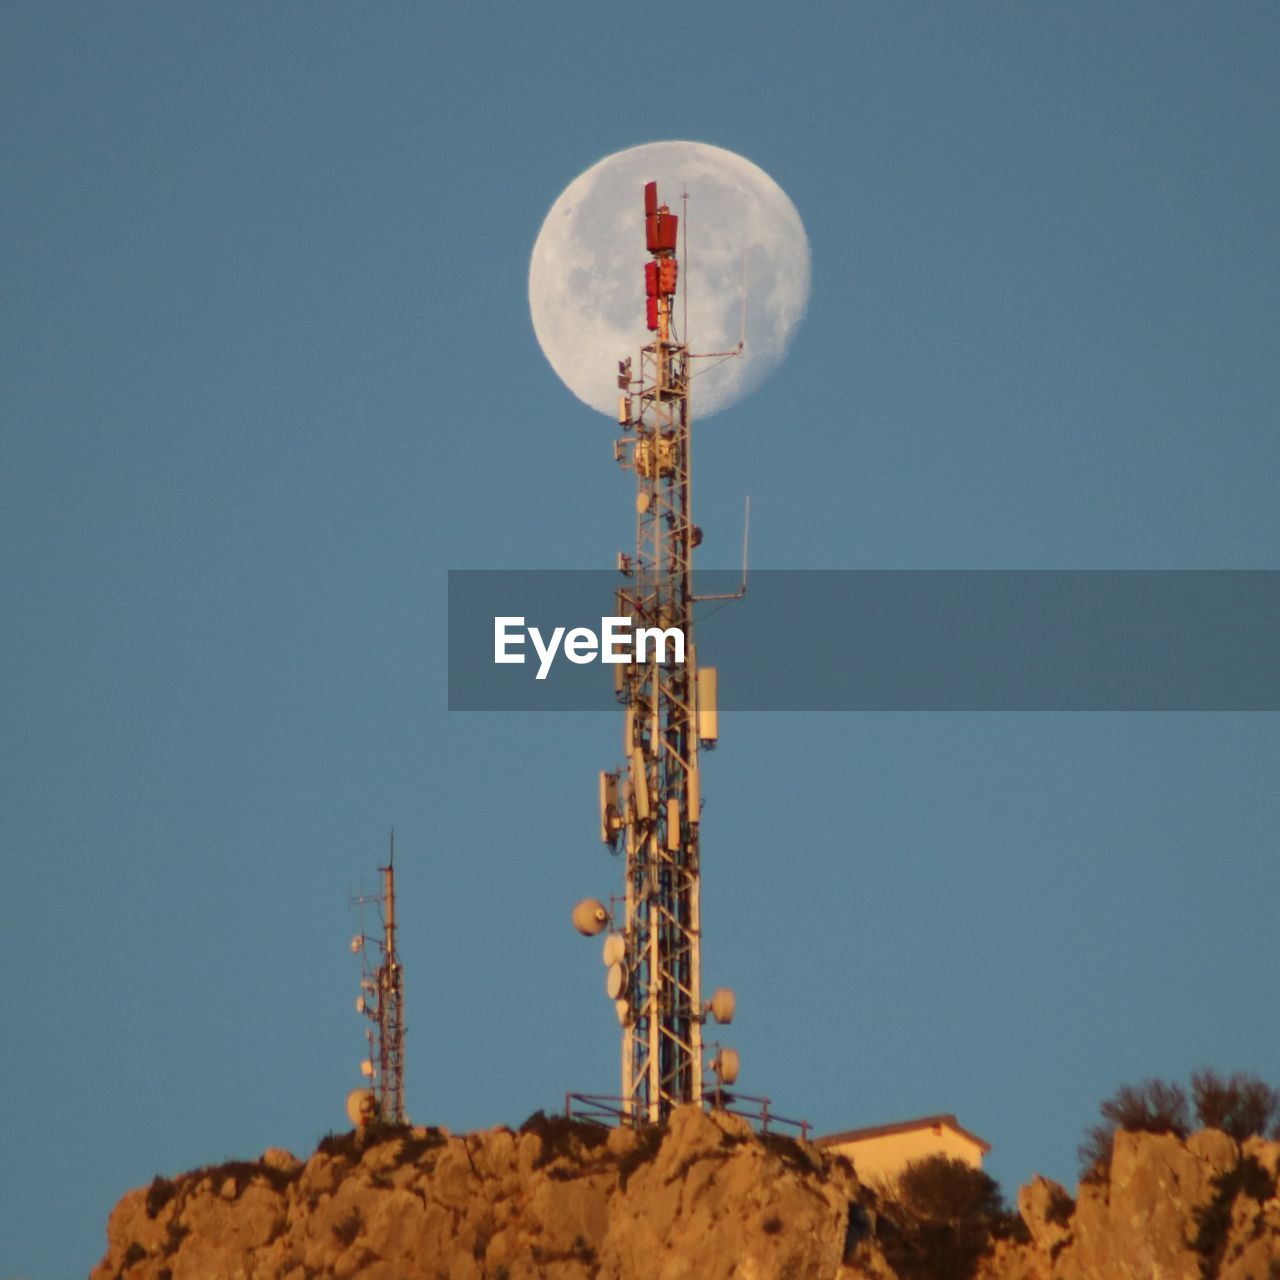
(704, 1199)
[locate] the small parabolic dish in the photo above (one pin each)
(614, 948)
(359, 1106)
(590, 917)
(726, 1065)
(615, 982)
(723, 1005)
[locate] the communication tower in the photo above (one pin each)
(381, 1000)
(651, 807)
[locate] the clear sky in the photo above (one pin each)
(268, 373)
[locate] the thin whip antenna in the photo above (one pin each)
(684, 209)
(742, 339)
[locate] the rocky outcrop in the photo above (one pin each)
(1200, 1209)
(706, 1198)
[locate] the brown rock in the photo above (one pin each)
(528, 1153)
(381, 1158)
(1142, 1224)
(1045, 1207)
(247, 1223)
(497, 1155)
(321, 1175)
(1010, 1261)
(394, 1224)
(279, 1158)
(572, 1213)
(454, 1178)
(1267, 1154)
(622, 1140)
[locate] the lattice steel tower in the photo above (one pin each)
(652, 805)
(382, 1002)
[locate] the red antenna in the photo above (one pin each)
(661, 231)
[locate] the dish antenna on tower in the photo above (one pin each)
(652, 806)
(382, 1002)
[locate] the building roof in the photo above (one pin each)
(904, 1126)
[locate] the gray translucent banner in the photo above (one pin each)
(921, 640)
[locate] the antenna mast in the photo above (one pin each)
(382, 1002)
(652, 805)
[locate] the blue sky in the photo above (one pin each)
(268, 373)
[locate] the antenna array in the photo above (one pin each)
(381, 1000)
(652, 805)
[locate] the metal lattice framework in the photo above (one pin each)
(652, 805)
(382, 1002)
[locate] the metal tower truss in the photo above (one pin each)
(652, 805)
(382, 1002)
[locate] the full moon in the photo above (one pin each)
(744, 256)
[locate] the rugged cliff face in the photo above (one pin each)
(1170, 1210)
(706, 1199)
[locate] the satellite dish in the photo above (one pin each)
(726, 1065)
(356, 943)
(723, 1005)
(590, 917)
(642, 502)
(615, 982)
(615, 948)
(623, 1010)
(360, 1107)
(366, 1068)
(359, 1004)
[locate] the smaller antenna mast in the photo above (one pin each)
(381, 1000)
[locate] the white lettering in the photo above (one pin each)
(581, 645)
(660, 637)
(502, 637)
(546, 652)
(612, 632)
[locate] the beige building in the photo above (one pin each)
(881, 1153)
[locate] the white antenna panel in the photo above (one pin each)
(708, 715)
(639, 784)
